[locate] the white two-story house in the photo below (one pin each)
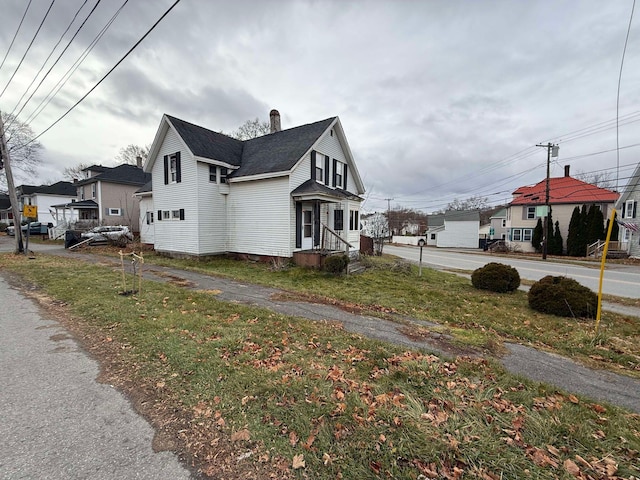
(288, 191)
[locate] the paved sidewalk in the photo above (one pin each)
(57, 422)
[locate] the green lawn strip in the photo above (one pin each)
(345, 405)
(451, 301)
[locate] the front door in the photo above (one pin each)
(307, 227)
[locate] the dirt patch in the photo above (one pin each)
(174, 279)
(201, 444)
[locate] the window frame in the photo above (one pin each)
(173, 169)
(223, 175)
(114, 212)
(528, 212)
(149, 217)
(527, 234)
(319, 174)
(213, 173)
(513, 235)
(354, 220)
(628, 209)
(338, 219)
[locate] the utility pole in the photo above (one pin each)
(389, 218)
(13, 197)
(552, 151)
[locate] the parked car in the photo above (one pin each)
(108, 232)
(35, 228)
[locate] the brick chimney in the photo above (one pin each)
(139, 161)
(274, 117)
(566, 170)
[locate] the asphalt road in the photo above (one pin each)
(57, 422)
(620, 280)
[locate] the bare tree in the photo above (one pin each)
(25, 154)
(251, 129)
(130, 153)
(599, 179)
(475, 202)
(377, 228)
(74, 173)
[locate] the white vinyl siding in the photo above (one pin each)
(459, 234)
(176, 236)
(146, 229)
(212, 213)
(262, 227)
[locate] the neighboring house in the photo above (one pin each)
(461, 229)
(627, 209)
(435, 225)
(565, 193)
(410, 228)
(105, 196)
(146, 219)
(269, 196)
(6, 215)
(498, 223)
(45, 197)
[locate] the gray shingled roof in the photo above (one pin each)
(124, 174)
(208, 144)
(66, 189)
(313, 187)
(462, 215)
(145, 188)
(5, 202)
(279, 152)
(275, 152)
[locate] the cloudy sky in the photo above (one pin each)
(439, 99)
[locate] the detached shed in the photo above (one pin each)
(460, 230)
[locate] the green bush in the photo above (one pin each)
(563, 297)
(496, 277)
(3, 226)
(336, 264)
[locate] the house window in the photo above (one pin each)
(628, 209)
(81, 193)
(224, 172)
(307, 223)
(504, 223)
(93, 190)
(433, 236)
(166, 214)
(338, 219)
(175, 214)
(354, 223)
(173, 169)
(114, 212)
(531, 213)
(516, 235)
(319, 174)
(213, 173)
(149, 218)
(526, 234)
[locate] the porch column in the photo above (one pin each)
(346, 217)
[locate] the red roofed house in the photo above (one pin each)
(565, 193)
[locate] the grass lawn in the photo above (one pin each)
(479, 318)
(298, 399)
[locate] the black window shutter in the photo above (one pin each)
(166, 169)
(316, 224)
(624, 205)
(335, 171)
(160, 214)
(178, 169)
(182, 214)
(313, 164)
(298, 225)
(635, 206)
(326, 169)
(344, 178)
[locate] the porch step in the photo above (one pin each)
(355, 267)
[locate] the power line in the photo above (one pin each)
(626, 40)
(47, 59)
(103, 78)
(28, 48)
(16, 34)
(57, 59)
(69, 73)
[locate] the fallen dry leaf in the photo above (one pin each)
(298, 462)
(241, 435)
(571, 467)
(573, 399)
(293, 438)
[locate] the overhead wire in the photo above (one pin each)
(57, 60)
(74, 67)
(16, 34)
(49, 56)
(28, 48)
(102, 79)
